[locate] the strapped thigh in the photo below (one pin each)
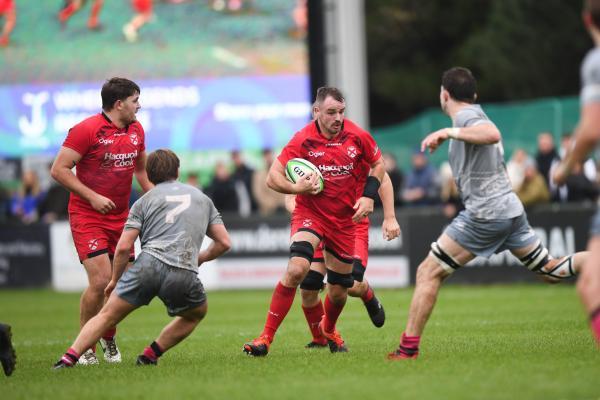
(447, 263)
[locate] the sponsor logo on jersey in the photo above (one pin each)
(316, 153)
(106, 141)
(120, 159)
(336, 170)
(306, 223)
(134, 139)
(332, 144)
(93, 244)
(352, 151)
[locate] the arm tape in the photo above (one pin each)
(371, 187)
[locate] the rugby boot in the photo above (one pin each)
(259, 347)
(334, 339)
(111, 351)
(8, 357)
(376, 311)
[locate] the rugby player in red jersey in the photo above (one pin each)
(9, 12)
(106, 149)
(337, 146)
(73, 6)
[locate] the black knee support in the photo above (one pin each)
(358, 270)
(335, 278)
(302, 249)
(313, 281)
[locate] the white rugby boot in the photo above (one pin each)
(111, 351)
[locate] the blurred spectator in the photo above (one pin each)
(533, 190)
(192, 180)
(267, 199)
(24, 203)
(242, 175)
(300, 17)
(421, 182)
(546, 155)
(54, 206)
(8, 12)
(142, 15)
(4, 204)
(516, 168)
(396, 176)
(580, 184)
(452, 204)
(70, 7)
(222, 189)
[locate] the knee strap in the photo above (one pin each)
(358, 271)
(302, 249)
(536, 259)
(447, 263)
(313, 281)
(335, 278)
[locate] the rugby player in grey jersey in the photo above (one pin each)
(494, 219)
(587, 136)
(171, 220)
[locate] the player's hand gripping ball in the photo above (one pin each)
(298, 168)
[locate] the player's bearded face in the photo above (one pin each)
(331, 115)
(130, 107)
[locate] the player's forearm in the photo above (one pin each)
(214, 250)
(119, 263)
(279, 183)
(143, 180)
(386, 193)
(69, 180)
(476, 134)
(586, 139)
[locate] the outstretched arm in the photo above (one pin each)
(486, 133)
(587, 136)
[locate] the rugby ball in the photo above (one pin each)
(298, 168)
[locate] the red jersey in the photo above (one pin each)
(6, 6)
(339, 160)
(109, 155)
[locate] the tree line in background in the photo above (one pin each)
(517, 49)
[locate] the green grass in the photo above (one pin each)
(483, 342)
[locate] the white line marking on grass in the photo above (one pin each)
(229, 57)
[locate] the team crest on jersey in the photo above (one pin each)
(306, 223)
(134, 139)
(352, 151)
(93, 244)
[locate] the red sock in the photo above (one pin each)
(595, 323)
(153, 351)
(409, 345)
(281, 302)
(70, 357)
(66, 12)
(110, 334)
(332, 312)
(313, 317)
(368, 295)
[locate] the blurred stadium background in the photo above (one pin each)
(226, 82)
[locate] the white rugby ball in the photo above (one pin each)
(298, 168)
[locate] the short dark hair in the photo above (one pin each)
(328, 91)
(117, 89)
(461, 84)
(162, 165)
(593, 7)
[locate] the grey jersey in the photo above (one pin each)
(480, 172)
(590, 77)
(172, 219)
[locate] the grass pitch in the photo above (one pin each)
(483, 342)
